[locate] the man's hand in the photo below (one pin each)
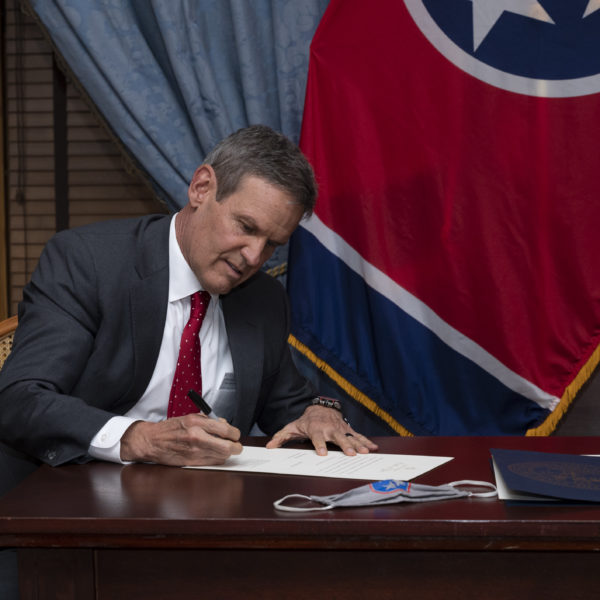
(321, 425)
(190, 440)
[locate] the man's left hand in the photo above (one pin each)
(321, 425)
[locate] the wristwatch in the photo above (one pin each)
(327, 402)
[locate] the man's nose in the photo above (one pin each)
(253, 252)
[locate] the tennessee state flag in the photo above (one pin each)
(449, 279)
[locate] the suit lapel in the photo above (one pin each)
(247, 353)
(149, 298)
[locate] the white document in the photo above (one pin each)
(374, 466)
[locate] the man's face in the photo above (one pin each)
(226, 242)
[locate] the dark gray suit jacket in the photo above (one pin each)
(90, 328)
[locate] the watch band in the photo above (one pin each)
(327, 402)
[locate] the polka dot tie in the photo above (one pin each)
(187, 373)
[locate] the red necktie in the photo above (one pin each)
(187, 373)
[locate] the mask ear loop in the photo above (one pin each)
(487, 484)
(279, 506)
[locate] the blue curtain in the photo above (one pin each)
(173, 77)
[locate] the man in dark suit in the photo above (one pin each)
(96, 348)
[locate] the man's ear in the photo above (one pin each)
(203, 185)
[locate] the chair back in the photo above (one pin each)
(7, 331)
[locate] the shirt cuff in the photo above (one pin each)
(106, 444)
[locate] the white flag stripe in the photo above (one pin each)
(419, 311)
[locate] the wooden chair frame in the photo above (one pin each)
(7, 331)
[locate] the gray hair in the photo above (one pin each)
(260, 151)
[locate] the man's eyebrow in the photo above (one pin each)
(250, 222)
(246, 220)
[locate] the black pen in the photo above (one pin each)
(199, 401)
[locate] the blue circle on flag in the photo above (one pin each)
(544, 48)
(541, 39)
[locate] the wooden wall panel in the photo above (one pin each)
(100, 185)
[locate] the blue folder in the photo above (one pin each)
(548, 475)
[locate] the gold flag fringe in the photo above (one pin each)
(348, 387)
(571, 391)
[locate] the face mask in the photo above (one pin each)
(389, 491)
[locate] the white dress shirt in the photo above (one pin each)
(217, 366)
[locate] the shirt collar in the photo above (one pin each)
(182, 281)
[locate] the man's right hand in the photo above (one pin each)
(190, 440)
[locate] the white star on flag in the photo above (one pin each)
(593, 6)
(487, 12)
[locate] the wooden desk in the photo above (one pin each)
(143, 531)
